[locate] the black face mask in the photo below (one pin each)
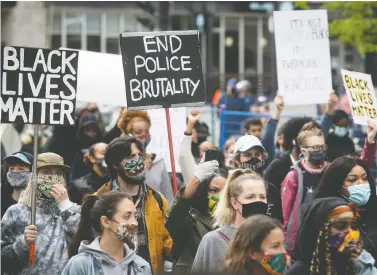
(254, 164)
(258, 207)
(317, 158)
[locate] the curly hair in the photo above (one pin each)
(127, 119)
(310, 129)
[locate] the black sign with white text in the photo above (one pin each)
(38, 86)
(162, 69)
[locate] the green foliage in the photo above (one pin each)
(301, 5)
(356, 25)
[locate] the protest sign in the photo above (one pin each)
(38, 86)
(159, 136)
(162, 69)
(361, 96)
(303, 56)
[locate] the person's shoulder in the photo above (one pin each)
(140, 262)
(78, 263)
(298, 268)
(16, 208)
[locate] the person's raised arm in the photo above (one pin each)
(185, 158)
(369, 151)
(326, 121)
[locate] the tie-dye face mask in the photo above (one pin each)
(46, 179)
(135, 169)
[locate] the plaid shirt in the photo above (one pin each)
(140, 238)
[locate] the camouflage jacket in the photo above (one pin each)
(55, 224)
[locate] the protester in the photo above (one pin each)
(92, 109)
(190, 215)
(92, 181)
(229, 151)
(328, 241)
(279, 148)
(27, 139)
(350, 179)
(245, 91)
(253, 126)
(19, 166)
(257, 248)
(112, 216)
(124, 158)
(186, 158)
(250, 154)
(57, 219)
(269, 133)
(244, 194)
(279, 168)
(88, 133)
(137, 124)
(204, 146)
(299, 184)
(338, 141)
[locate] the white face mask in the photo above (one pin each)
(126, 231)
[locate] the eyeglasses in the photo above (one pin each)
(317, 148)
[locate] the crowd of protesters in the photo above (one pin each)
(298, 199)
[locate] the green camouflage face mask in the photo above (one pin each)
(45, 183)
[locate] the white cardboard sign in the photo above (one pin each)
(361, 96)
(159, 136)
(303, 56)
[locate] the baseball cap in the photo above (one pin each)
(246, 142)
(19, 157)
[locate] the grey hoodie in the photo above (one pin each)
(211, 251)
(92, 260)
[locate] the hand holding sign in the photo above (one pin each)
(371, 131)
(30, 234)
(279, 102)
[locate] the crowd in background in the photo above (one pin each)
(284, 198)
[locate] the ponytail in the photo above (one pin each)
(93, 208)
(84, 231)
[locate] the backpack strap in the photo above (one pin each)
(223, 236)
(158, 198)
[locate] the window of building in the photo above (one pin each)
(91, 30)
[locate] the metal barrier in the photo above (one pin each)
(231, 123)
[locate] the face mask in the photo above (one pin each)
(45, 183)
(254, 164)
(359, 194)
(274, 264)
(340, 241)
(17, 179)
(340, 131)
(212, 203)
(145, 139)
(257, 207)
(134, 170)
(126, 232)
(317, 158)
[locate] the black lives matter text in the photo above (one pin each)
(38, 85)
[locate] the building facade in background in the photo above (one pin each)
(242, 44)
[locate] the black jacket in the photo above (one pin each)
(87, 184)
(339, 146)
(278, 169)
(274, 202)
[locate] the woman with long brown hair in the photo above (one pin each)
(257, 248)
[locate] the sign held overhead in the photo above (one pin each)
(303, 56)
(361, 97)
(162, 69)
(38, 85)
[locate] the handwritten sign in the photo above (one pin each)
(361, 96)
(162, 69)
(38, 85)
(303, 56)
(159, 135)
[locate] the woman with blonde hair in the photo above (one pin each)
(137, 124)
(244, 195)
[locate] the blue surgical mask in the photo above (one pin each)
(359, 194)
(340, 131)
